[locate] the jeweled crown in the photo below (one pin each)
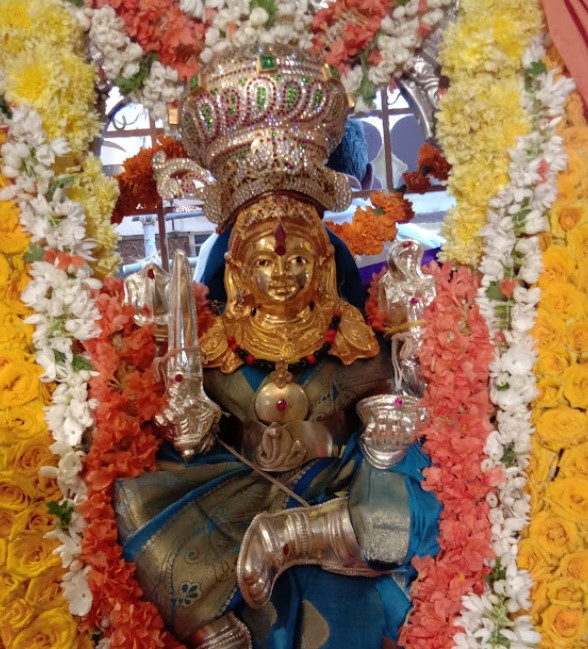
(262, 119)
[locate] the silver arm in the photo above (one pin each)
(189, 416)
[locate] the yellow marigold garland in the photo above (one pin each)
(556, 548)
(481, 114)
(44, 66)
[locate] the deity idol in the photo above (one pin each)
(294, 521)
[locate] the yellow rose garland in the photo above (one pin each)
(481, 113)
(558, 472)
(44, 66)
(30, 594)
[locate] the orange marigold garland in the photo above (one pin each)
(138, 190)
(373, 226)
(124, 444)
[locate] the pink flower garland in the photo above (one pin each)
(455, 358)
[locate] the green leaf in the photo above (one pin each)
(77, 3)
(493, 291)
(80, 363)
(64, 511)
(59, 182)
(129, 85)
(269, 5)
(536, 68)
(34, 253)
(4, 107)
(59, 356)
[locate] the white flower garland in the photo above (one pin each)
(119, 56)
(511, 265)
(64, 313)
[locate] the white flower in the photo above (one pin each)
(258, 17)
(77, 590)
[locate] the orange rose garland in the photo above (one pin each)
(558, 474)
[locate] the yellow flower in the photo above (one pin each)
(575, 565)
(21, 423)
(561, 427)
(578, 241)
(15, 615)
(35, 520)
(549, 393)
(563, 299)
(575, 386)
(568, 497)
(15, 492)
(562, 625)
(44, 592)
(531, 558)
(567, 592)
(542, 463)
(13, 239)
(549, 331)
(54, 629)
(9, 584)
(19, 380)
(550, 363)
(574, 462)
(553, 534)
(578, 340)
(33, 453)
(6, 521)
(558, 266)
(30, 555)
(13, 330)
(567, 216)
(45, 488)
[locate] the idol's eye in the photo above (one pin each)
(262, 263)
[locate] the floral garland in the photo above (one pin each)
(455, 356)
(31, 601)
(480, 114)
(510, 267)
(59, 194)
(149, 52)
(555, 550)
(125, 441)
(373, 42)
(138, 189)
(372, 227)
(124, 444)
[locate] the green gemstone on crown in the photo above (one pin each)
(291, 96)
(261, 96)
(266, 62)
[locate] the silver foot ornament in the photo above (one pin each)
(320, 535)
(225, 633)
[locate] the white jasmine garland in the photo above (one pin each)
(512, 253)
(64, 314)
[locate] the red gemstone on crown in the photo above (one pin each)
(151, 273)
(179, 378)
(398, 402)
(286, 550)
(282, 404)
